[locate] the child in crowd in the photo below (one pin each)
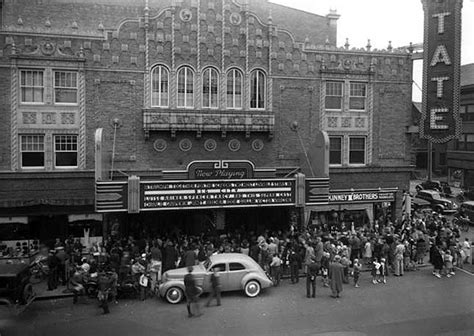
(448, 263)
(383, 271)
(324, 268)
(356, 272)
(378, 271)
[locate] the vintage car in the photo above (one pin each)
(16, 291)
(237, 272)
(438, 203)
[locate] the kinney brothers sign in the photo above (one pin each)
(440, 121)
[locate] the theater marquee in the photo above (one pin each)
(440, 120)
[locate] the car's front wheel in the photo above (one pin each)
(174, 295)
(252, 288)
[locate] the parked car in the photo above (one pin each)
(237, 272)
(466, 209)
(419, 204)
(16, 291)
(438, 203)
(441, 187)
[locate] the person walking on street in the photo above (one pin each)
(336, 276)
(275, 267)
(399, 252)
(192, 294)
(215, 288)
(313, 269)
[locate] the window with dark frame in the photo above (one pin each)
(333, 100)
(160, 86)
(32, 86)
(65, 87)
(356, 150)
(185, 87)
(234, 89)
(257, 89)
(65, 151)
(210, 88)
(335, 150)
(236, 267)
(32, 151)
(357, 96)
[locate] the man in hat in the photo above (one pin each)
(336, 276)
(313, 269)
(192, 294)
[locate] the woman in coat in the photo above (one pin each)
(336, 276)
(436, 260)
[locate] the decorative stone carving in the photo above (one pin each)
(160, 145)
(235, 19)
(185, 145)
(346, 122)
(359, 122)
(48, 48)
(257, 145)
(68, 118)
(332, 122)
(234, 145)
(48, 118)
(29, 118)
(210, 145)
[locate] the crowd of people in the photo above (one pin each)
(334, 256)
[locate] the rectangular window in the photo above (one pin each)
(32, 86)
(357, 150)
(65, 151)
(32, 151)
(65, 87)
(334, 95)
(335, 150)
(357, 96)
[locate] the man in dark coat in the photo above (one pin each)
(336, 275)
(436, 260)
(170, 257)
(192, 293)
(313, 269)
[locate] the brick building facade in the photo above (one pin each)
(174, 82)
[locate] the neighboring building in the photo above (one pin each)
(239, 83)
(460, 153)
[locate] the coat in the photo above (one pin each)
(336, 275)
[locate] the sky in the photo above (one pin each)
(381, 21)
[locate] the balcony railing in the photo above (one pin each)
(222, 121)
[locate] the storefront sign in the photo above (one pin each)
(361, 197)
(216, 194)
(440, 120)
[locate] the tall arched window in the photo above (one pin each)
(234, 89)
(159, 86)
(257, 89)
(185, 87)
(209, 88)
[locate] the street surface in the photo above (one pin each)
(415, 304)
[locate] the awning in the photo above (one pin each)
(6, 220)
(82, 217)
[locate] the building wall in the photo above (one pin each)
(113, 46)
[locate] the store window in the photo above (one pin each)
(32, 151)
(65, 87)
(356, 150)
(234, 89)
(333, 95)
(257, 89)
(357, 96)
(185, 87)
(209, 88)
(32, 86)
(335, 150)
(65, 151)
(159, 86)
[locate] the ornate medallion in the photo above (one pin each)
(235, 19)
(210, 145)
(234, 145)
(185, 145)
(185, 15)
(257, 145)
(160, 145)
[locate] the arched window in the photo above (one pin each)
(209, 88)
(159, 86)
(185, 87)
(234, 89)
(257, 89)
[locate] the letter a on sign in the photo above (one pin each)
(440, 121)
